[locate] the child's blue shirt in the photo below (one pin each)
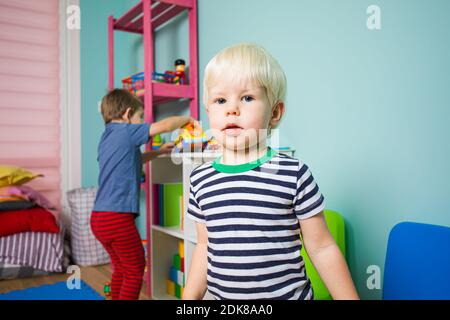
(119, 158)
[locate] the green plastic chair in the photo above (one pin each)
(336, 225)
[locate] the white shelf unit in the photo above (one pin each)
(164, 241)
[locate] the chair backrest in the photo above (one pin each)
(417, 265)
(336, 225)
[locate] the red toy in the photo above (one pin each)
(107, 289)
(178, 76)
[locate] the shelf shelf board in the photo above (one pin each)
(166, 92)
(162, 11)
(172, 231)
(191, 239)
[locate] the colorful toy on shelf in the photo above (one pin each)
(212, 145)
(157, 142)
(180, 75)
(162, 77)
(175, 77)
(107, 289)
(175, 283)
(191, 139)
(134, 83)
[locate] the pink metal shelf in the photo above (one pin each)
(163, 92)
(144, 18)
(161, 12)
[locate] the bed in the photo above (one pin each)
(32, 238)
(29, 254)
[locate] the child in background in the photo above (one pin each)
(251, 205)
(117, 202)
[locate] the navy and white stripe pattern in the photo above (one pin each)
(253, 229)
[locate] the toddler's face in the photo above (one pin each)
(239, 113)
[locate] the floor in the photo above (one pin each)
(95, 276)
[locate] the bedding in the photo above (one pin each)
(10, 198)
(11, 175)
(26, 193)
(34, 219)
(38, 250)
(16, 205)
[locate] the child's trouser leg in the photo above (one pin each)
(128, 247)
(118, 234)
(117, 272)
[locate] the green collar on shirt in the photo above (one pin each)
(226, 168)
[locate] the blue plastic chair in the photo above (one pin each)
(417, 265)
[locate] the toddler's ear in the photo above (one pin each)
(277, 114)
(126, 115)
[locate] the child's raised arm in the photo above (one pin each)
(196, 281)
(327, 258)
(169, 124)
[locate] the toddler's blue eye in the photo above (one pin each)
(248, 98)
(221, 101)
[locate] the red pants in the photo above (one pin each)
(117, 232)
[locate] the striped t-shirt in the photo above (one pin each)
(251, 213)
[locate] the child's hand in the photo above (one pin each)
(166, 147)
(195, 123)
(170, 124)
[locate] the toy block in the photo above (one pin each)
(180, 278)
(177, 262)
(173, 274)
(170, 287)
(181, 248)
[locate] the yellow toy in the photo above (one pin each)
(175, 283)
(157, 142)
(190, 139)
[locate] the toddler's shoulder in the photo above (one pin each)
(285, 160)
(289, 163)
(200, 170)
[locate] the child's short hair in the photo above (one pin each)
(116, 102)
(247, 61)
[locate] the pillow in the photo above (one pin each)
(16, 205)
(26, 193)
(10, 175)
(10, 191)
(10, 198)
(36, 219)
(32, 195)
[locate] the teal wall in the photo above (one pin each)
(366, 110)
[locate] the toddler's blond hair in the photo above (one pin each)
(247, 61)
